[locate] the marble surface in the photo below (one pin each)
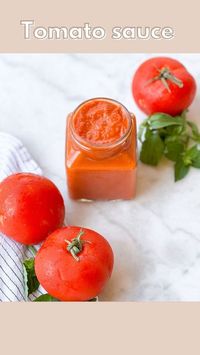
(156, 237)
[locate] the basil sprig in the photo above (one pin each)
(176, 138)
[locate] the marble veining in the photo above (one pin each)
(156, 238)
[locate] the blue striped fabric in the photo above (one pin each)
(14, 157)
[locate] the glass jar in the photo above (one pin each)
(105, 168)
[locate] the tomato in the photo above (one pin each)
(163, 85)
(74, 264)
(31, 207)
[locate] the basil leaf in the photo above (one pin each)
(182, 138)
(141, 130)
(148, 133)
(196, 162)
(175, 130)
(181, 170)
(192, 156)
(161, 120)
(152, 149)
(173, 150)
(46, 298)
(162, 134)
(30, 279)
(184, 114)
(195, 130)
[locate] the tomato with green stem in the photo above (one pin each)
(164, 85)
(74, 264)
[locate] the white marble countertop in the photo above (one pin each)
(156, 237)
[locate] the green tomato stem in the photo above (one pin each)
(165, 75)
(75, 246)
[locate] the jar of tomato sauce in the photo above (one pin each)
(101, 155)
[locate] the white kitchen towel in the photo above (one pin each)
(14, 158)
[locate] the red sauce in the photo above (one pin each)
(101, 122)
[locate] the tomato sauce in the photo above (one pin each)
(100, 122)
(101, 151)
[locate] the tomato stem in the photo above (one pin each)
(75, 246)
(165, 75)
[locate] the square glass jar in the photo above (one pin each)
(101, 170)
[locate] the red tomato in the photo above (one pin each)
(31, 207)
(163, 85)
(74, 264)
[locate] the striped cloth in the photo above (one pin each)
(14, 157)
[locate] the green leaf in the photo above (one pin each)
(184, 114)
(195, 130)
(172, 131)
(148, 133)
(181, 170)
(196, 162)
(182, 139)
(46, 298)
(193, 127)
(141, 130)
(30, 280)
(152, 149)
(173, 150)
(161, 120)
(192, 157)
(164, 134)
